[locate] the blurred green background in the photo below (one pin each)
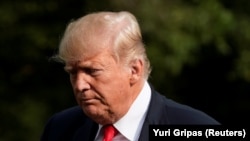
(199, 52)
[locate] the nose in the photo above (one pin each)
(80, 82)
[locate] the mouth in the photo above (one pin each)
(88, 101)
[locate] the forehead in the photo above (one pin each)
(100, 59)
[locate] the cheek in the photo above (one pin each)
(113, 86)
(119, 91)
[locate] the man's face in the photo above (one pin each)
(101, 86)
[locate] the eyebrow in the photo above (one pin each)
(83, 65)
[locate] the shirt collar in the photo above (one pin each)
(131, 123)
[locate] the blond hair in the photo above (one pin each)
(120, 30)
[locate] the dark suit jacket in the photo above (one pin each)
(73, 125)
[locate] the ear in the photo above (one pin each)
(136, 71)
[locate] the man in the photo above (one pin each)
(108, 67)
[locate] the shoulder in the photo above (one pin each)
(63, 124)
(173, 112)
(70, 115)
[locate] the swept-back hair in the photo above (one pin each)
(120, 30)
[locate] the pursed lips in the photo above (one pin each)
(88, 101)
(88, 98)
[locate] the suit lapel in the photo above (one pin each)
(154, 115)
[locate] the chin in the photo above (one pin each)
(100, 117)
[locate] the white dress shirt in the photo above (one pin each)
(130, 125)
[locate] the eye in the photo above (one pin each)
(92, 71)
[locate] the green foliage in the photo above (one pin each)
(199, 52)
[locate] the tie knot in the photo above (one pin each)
(109, 132)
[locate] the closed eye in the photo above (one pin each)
(92, 71)
(87, 70)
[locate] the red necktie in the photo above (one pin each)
(109, 132)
